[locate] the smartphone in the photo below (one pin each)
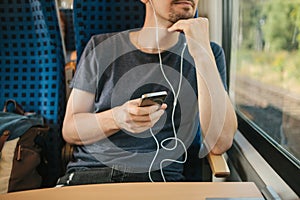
(153, 98)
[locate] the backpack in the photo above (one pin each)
(21, 153)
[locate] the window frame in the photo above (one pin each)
(285, 165)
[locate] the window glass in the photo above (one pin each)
(265, 68)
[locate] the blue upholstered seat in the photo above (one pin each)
(104, 16)
(32, 66)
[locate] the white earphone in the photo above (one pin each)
(173, 111)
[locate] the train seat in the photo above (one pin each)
(32, 68)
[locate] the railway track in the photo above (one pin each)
(276, 111)
(251, 92)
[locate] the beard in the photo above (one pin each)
(186, 13)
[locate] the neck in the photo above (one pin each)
(154, 36)
(153, 40)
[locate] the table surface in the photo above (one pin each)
(144, 191)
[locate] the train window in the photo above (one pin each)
(265, 69)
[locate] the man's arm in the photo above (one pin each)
(82, 126)
(217, 115)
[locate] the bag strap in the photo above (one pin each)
(3, 139)
(17, 107)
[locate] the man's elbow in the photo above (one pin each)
(70, 136)
(222, 146)
(226, 139)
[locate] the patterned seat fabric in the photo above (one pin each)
(32, 66)
(105, 16)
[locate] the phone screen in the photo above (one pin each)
(153, 98)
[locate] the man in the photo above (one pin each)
(120, 141)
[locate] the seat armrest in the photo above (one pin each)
(66, 155)
(218, 165)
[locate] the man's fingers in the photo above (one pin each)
(136, 110)
(148, 117)
(155, 116)
(140, 118)
(185, 25)
(178, 26)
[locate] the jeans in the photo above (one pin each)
(117, 174)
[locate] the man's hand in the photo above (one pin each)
(196, 31)
(135, 119)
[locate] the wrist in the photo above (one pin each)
(202, 52)
(112, 113)
(107, 122)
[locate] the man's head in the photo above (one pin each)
(170, 11)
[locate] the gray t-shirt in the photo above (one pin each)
(113, 69)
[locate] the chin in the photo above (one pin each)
(177, 17)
